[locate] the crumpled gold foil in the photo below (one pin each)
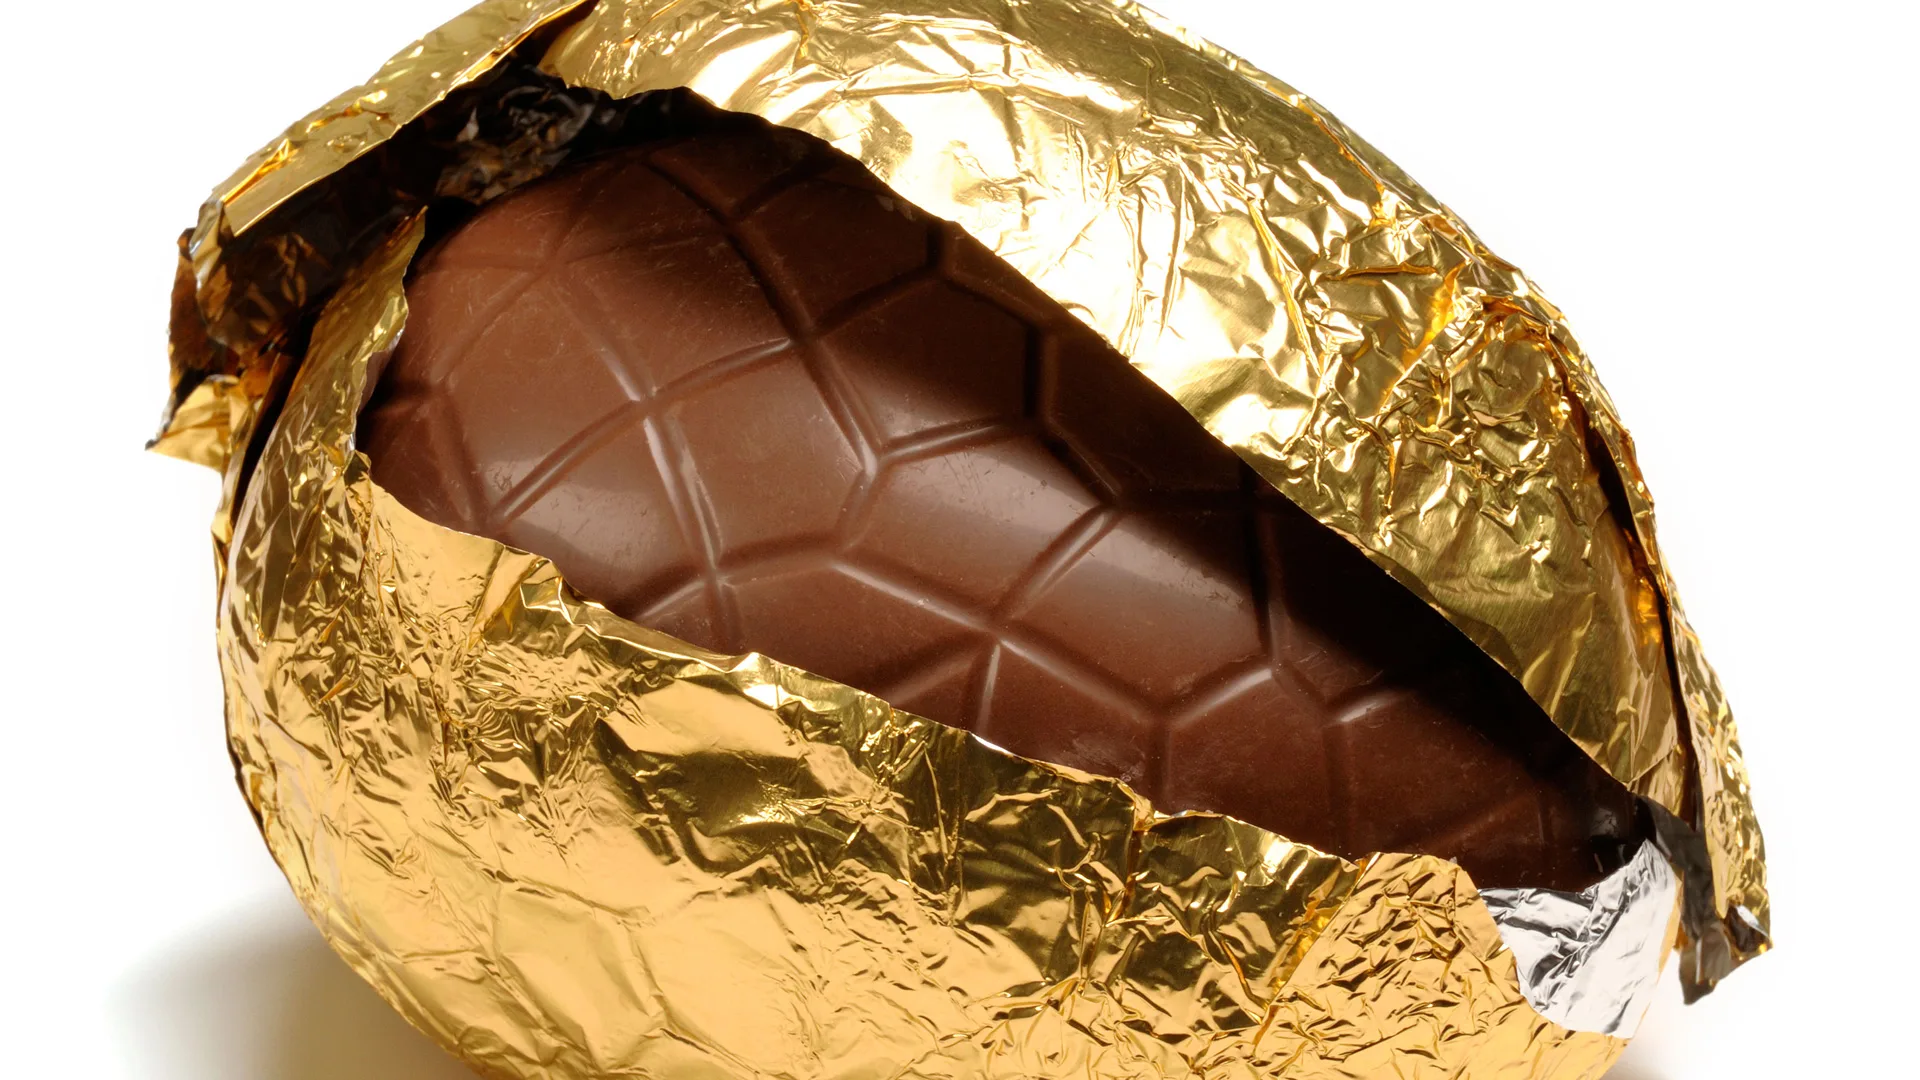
(567, 846)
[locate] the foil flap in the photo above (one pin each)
(234, 296)
(1591, 960)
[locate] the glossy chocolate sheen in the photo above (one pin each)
(740, 392)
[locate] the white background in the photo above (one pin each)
(1721, 201)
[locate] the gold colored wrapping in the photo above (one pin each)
(1311, 304)
(569, 847)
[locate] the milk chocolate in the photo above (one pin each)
(740, 392)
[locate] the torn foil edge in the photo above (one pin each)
(1590, 961)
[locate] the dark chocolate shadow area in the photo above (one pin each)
(260, 996)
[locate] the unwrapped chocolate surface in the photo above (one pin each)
(742, 393)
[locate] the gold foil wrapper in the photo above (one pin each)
(567, 846)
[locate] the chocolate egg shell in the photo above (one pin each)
(742, 393)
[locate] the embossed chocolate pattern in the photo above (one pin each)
(740, 392)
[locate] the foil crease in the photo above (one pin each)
(566, 846)
(1591, 960)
